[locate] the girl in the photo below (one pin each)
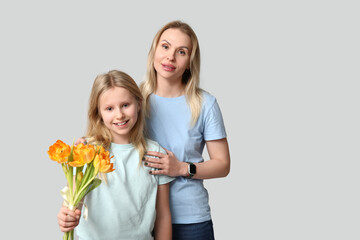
(133, 203)
(183, 118)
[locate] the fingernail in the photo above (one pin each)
(143, 158)
(146, 164)
(150, 172)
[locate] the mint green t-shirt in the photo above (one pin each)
(124, 208)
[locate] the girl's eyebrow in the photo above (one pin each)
(178, 47)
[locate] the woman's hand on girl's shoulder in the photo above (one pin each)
(165, 164)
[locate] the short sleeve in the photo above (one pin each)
(214, 127)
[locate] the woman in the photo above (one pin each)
(182, 118)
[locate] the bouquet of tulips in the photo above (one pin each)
(88, 160)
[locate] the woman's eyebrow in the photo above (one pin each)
(178, 47)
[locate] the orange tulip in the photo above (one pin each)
(102, 161)
(97, 160)
(59, 151)
(83, 154)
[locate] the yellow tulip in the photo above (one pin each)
(79, 176)
(102, 161)
(59, 151)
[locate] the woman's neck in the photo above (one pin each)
(169, 89)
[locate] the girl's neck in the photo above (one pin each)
(168, 89)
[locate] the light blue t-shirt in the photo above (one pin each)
(169, 125)
(124, 208)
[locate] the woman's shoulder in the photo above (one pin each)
(207, 98)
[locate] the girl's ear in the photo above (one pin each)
(99, 114)
(139, 106)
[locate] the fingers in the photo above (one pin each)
(152, 160)
(168, 152)
(80, 140)
(67, 226)
(68, 219)
(153, 165)
(158, 172)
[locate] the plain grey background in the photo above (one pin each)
(286, 76)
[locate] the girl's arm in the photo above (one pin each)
(217, 166)
(68, 219)
(163, 227)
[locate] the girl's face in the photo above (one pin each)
(119, 111)
(172, 55)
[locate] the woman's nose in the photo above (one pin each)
(171, 56)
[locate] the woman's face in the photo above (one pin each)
(172, 55)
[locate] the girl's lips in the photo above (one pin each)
(120, 124)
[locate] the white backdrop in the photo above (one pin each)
(286, 76)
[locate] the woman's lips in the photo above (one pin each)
(168, 67)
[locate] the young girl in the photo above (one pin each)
(132, 204)
(183, 118)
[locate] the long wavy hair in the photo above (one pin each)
(97, 132)
(190, 77)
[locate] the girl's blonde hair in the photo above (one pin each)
(97, 132)
(190, 78)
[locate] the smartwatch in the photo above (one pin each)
(191, 169)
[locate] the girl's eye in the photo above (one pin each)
(125, 105)
(109, 108)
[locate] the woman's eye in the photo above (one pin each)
(165, 46)
(182, 52)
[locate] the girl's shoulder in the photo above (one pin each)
(152, 145)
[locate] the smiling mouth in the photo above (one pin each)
(121, 123)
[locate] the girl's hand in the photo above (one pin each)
(167, 164)
(68, 219)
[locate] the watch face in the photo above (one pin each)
(192, 169)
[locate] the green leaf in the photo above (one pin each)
(96, 182)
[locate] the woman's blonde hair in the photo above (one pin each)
(97, 132)
(190, 78)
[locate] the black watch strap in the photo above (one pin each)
(191, 169)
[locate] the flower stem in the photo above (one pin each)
(76, 200)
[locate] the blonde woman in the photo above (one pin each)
(183, 118)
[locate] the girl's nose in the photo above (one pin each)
(120, 113)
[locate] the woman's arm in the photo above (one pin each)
(217, 166)
(163, 227)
